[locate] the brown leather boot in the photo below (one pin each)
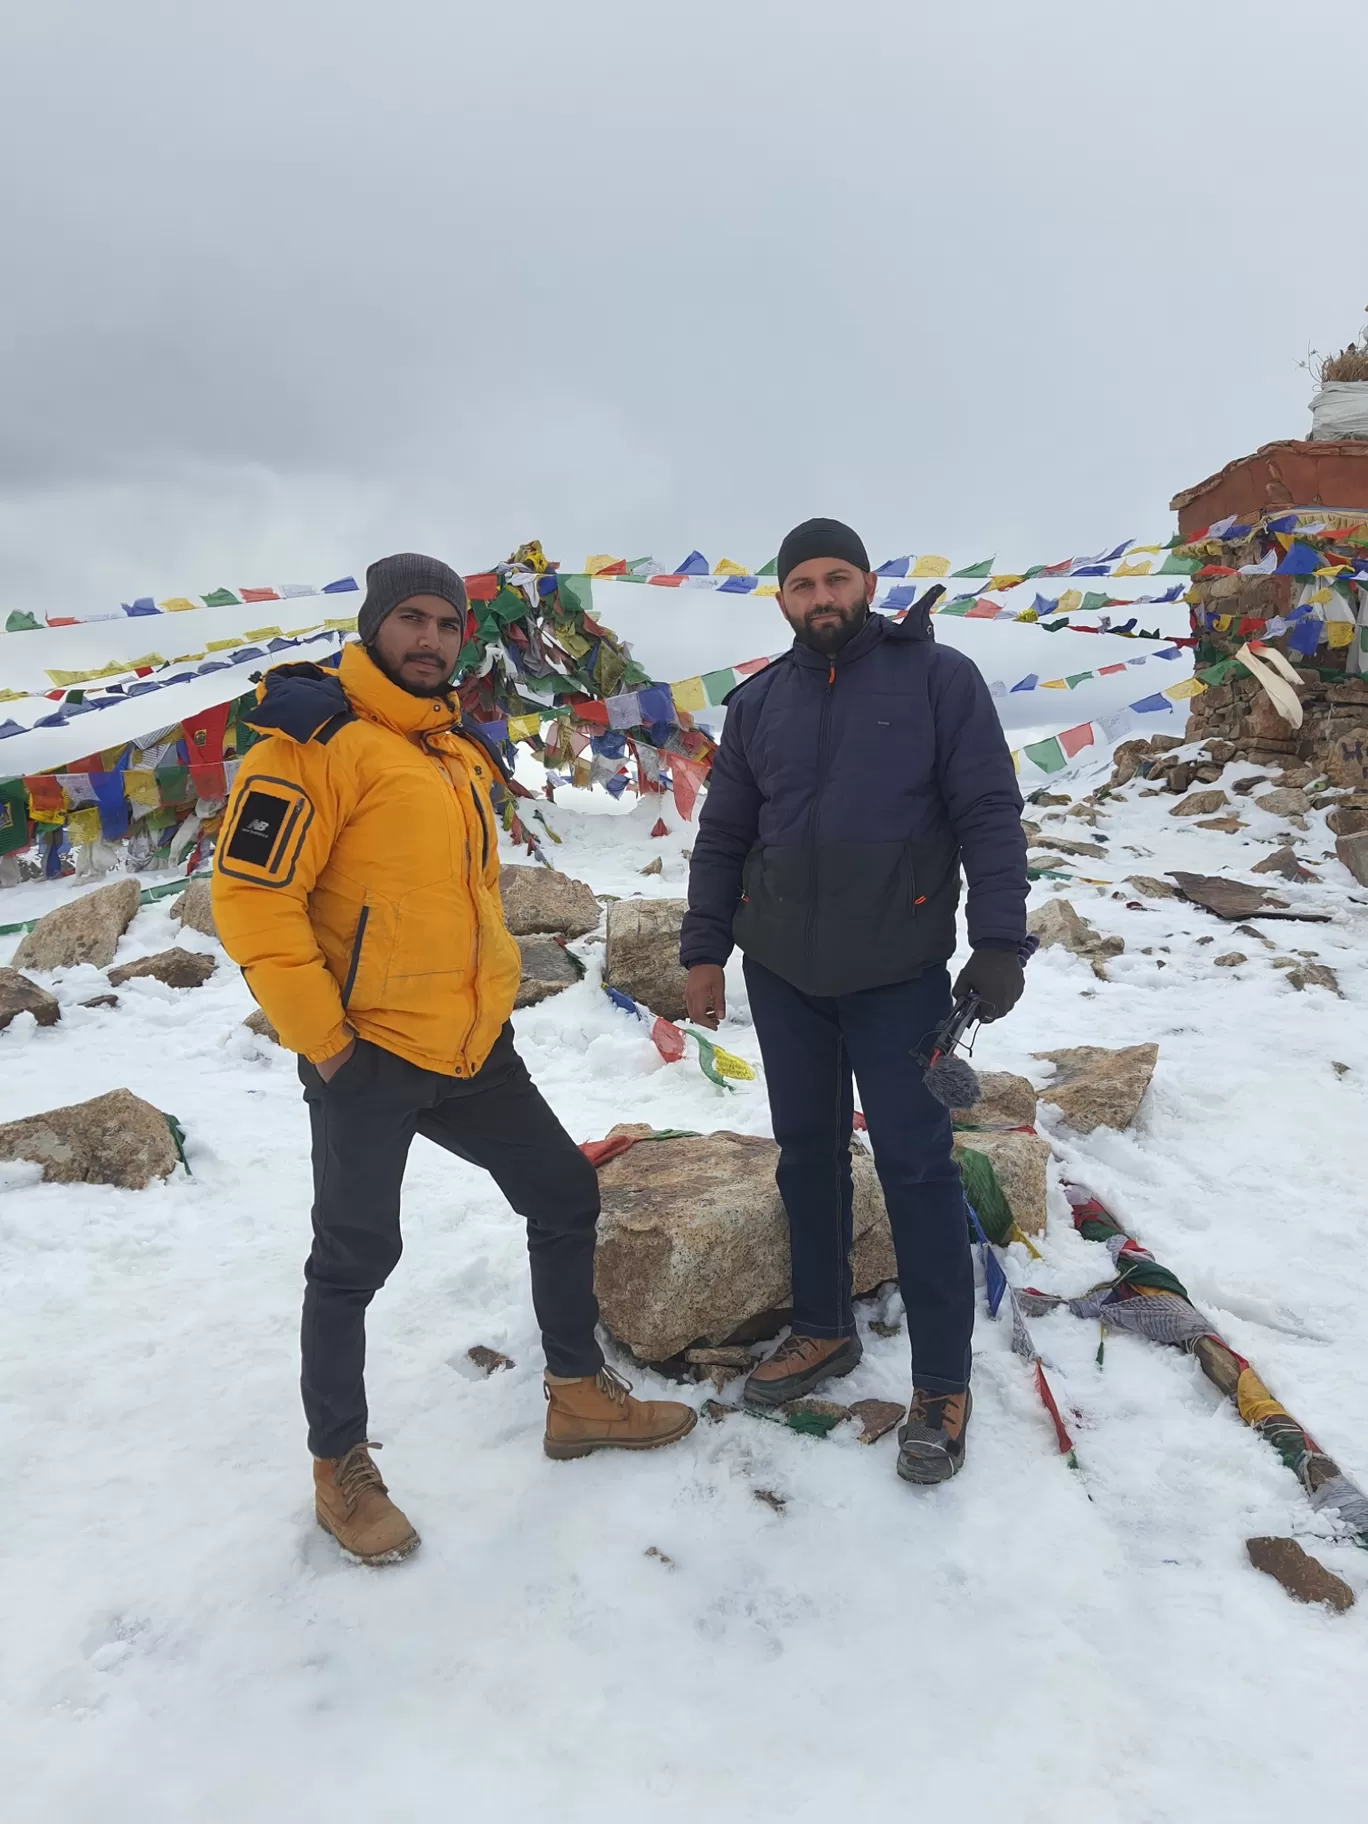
(353, 1504)
(597, 1412)
(798, 1366)
(931, 1443)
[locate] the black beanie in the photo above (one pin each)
(821, 538)
(391, 580)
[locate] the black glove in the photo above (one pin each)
(997, 977)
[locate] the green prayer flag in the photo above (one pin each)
(173, 785)
(984, 568)
(221, 598)
(1078, 678)
(960, 605)
(19, 622)
(508, 605)
(576, 594)
(1048, 755)
(717, 683)
(13, 816)
(1093, 602)
(1173, 565)
(1034, 571)
(984, 1193)
(769, 569)
(1219, 672)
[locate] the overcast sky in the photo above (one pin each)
(291, 283)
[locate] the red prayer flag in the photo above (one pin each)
(750, 667)
(204, 735)
(686, 776)
(1109, 671)
(668, 1040)
(209, 781)
(661, 827)
(665, 582)
(1074, 739)
(258, 595)
(482, 588)
(1047, 1398)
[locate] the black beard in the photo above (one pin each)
(437, 689)
(830, 640)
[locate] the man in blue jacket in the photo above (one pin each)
(856, 776)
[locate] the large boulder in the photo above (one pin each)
(19, 995)
(1346, 762)
(1003, 1098)
(1019, 1162)
(194, 908)
(540, 899)
(1353, 852)
(1056, 922)
(1096, 1087)
(643, 953)
(547, 968)
(85, 931)
(176, 967)
(113, 1139)
(693, 1241)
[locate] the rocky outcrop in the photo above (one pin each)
(176, 967)
(1199, 804)
(642, 956)
(19, 995)
(194, 908)
(85, 931)
(693, 1242)
(1003, 1098)
(547, 968)
(113, 1139)
(1353, 852)
(1057, 923)
(540, 900)
(1096, 1087)
(1283, 802)
(1347, 760)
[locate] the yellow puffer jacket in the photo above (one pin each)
(356, 875)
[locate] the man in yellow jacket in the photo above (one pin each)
(356, 882)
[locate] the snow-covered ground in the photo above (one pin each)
(1026, 1643)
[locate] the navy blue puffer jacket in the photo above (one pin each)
(845, 796)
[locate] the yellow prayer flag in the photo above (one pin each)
(689, 695)
(1135, 550)
(187, 658)
(995, 583)
(593, 566)
(1054, 684)
(177, 604)
(523, 728)
(1016, 760)
(1339, 633)
(1186, 687)
(1319, 596)
(238, 639)
(1071, 600)
(346, 624)
(580, 772)
(930, 566)
(65, 679)
(725, 567)
(263, 633)
(140, 787)
(13, 696)
(1130, 569)
(1222, 622)
(84, 825)
(767, 589)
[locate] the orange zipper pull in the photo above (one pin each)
(831, 674)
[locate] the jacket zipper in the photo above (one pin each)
(354, 964)
(484, 829)
(823, 741)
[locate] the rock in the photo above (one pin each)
(1150, 887)
(100, 1000)
(1303, 1577)
(1347, 820)
(1227, 825)
(1353, 852)
(1199, 804)
(1098, 1087)
(547, 969)
(257, 1022)
(1284, 803)
(876, 1418)
(85, 931)
(1004, 1098)
(1133, 756)
(1234, 899)
(113, 1139)
(540, 899)
(1231, 960)
(642, 957)
(1067, 845)
(1284, 862)
(1314, 975)
(491, 1360)
(1347, 761)
(1056, 922)
(1019, 1161)
(693, 1241)
(176, 967)
(19, 995)
(193, 908)
(655, 865)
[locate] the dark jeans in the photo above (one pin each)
(811, 1046)
(363, 1123)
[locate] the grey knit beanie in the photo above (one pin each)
(391, 580)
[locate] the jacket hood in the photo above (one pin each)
(298, 700)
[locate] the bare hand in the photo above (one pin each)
(705, 995)
(329, 1068)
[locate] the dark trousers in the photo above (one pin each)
(811, 1047)
(363, 1123)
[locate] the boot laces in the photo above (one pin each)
(609, 1381)
(796, 1348)
(933, 1409)
(356, 1473)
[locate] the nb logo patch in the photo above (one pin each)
(267, 834)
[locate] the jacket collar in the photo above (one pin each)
(851, 653)
(375, 697)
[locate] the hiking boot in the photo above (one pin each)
(931, 1443)
(799, 1365)
(353, 1504)
(597, 1412)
